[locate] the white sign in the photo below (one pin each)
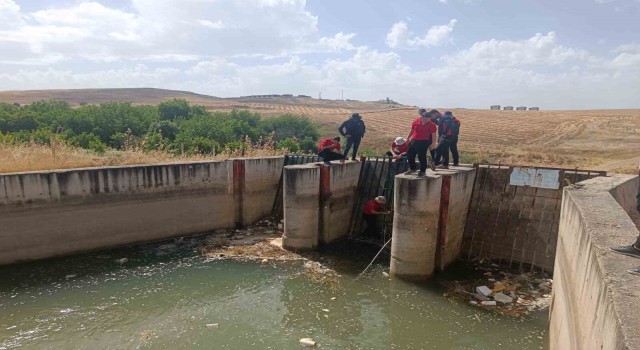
(541, 178)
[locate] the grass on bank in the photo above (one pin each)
(34, 157)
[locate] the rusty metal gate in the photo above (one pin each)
(516, 225)
(377, 176)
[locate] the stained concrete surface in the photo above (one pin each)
(52, 213)
(595, 301)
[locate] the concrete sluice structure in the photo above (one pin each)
(463, 212)
(427, 224)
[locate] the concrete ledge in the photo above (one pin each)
(338, 205)
(595, 301)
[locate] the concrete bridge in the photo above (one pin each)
(450, 215)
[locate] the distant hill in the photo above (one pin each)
(269, 104)
(96, 96)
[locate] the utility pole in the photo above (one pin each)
(320, 95)
(342, 95)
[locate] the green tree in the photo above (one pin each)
(174, 109)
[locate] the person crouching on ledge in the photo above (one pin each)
(398, 149)
(372, 209)
(329, 149)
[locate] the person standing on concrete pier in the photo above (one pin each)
(447, 134)
(435, 118)
(423, 137)
(634, 249)
(353, 130)
(372, 209)
(329, 149)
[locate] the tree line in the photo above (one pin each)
(173, 126)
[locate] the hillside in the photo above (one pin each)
(608, 139)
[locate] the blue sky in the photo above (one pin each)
(563, 54)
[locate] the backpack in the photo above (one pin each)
(447, 127)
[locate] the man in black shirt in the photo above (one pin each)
(353, 130)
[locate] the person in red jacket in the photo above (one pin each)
(329, 149)
(399, 148)
(372, 209)
(422, 138)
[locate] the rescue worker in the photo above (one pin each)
(435, 118)
(353, 130)
(447, 134)
(454, 142)
(398, 148)
(423, 137)
(329, 149)
(632, 250)
(372, 209)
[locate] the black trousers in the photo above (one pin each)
(637, 244)
(419, 148)
(353, 141)
(454, 151)
(328, 156)
(442, 152)
(372, 225)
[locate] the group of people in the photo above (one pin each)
(431, 132)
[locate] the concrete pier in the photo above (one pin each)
(301, 207)
(415, 226)
(429, 220)
(318, 201)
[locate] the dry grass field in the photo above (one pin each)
(594, 139)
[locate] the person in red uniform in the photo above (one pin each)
(372, 209)
(422, 138)
(399, 148)
(329, 149)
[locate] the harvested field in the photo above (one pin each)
(596, 139)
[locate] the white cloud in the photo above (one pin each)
(92, 31)
(537, 50)
(209, 24)
(400, 36)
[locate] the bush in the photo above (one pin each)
(291, 144)
(288, 126)
(87, 141)
(168, 129)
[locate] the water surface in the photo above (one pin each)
(164, 294)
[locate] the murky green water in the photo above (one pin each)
(162, 298)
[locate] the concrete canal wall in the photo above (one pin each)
(595, 300)
(46, 214)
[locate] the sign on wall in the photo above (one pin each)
(541, 178)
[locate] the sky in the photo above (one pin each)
(554, 54)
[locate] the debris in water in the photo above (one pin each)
(484, 290)
(325, 310)
(211, 325)
(122, 261)
(514, 294)
(307, 342)
(70, 276)
(334, 299)
(501, 298)
(385, 274)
